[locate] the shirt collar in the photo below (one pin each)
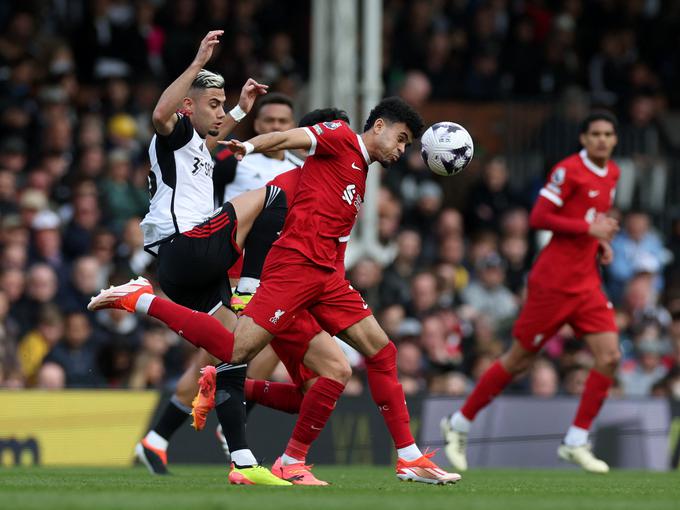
(597, 170)
(364, 151)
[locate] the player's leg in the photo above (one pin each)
(340, 310)
(381, 368)
(455, 428)
(543, 314)
(323, 357)
(596, 324)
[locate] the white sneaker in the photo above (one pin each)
(223, 442)
(582, 456)
(456, 444)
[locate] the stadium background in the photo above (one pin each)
(445, 275)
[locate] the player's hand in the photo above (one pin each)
(249, 93)
(606, 253)
(205, 50)
(603, 227)
(236, 147)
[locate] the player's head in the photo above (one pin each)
(598, 136)
(323, 115)
(205, 102)
(273, 112)
(390, 127)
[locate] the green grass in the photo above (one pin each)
(203, 487)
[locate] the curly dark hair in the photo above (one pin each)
(395, 109)
(323, 115)
(599, 115)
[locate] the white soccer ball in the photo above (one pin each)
(447, 148)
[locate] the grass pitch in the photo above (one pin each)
(354, 487)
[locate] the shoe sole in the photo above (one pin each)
(420, 479)
(152, 462)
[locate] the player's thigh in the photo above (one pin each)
(247, 206)
(544, 312)
(339, 307)
(291, 347)
(264, 363)
(366, 336)
(606, 351)
(249, 339)
(517, 358)
(325, 357)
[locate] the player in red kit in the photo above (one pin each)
(564, 287)
(300, 272)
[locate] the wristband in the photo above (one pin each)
(249, 147)
(237, 113)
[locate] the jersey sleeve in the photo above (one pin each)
(328, 138)
(559, 186)
(181, 134)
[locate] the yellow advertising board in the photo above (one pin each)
(73, 428)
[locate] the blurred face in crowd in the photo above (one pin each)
(207, 110)
(366, 274)
(599, 141)
(391, 318)
(48, 242)
(496, 174)
(77, 329)
(637, 225)
(274, 117)
(408, 245)
(42, 283)
(424, 292)
(452, 250)
(543, 380)
(12, 283)
(86, 211)
(86, 275)
(450, 222)
(409, 359)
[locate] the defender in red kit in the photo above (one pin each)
(564, 287)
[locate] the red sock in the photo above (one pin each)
(388, 394)
(492, 382)
(199, 328)
(595, 391)
(317, 406)
(284, 397)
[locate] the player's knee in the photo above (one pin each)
(608, 362)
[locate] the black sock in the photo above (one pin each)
(264, 232)
(229, 404)
(173, 418)
(250, 404)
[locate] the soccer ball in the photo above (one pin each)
(446, 148)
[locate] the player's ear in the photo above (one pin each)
(188, 104)
(378, 126)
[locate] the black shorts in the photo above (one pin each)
(192, 267)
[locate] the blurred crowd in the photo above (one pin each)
(79, 81)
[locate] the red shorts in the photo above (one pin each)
(547, 310)
(291, 345)
(291, 284)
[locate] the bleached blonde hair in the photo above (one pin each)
(208, 80)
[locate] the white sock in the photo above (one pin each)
(156, 441)
(460, 423)
(287, 460)
(410, 452)
(144, 302)
(576, 436)
(243, 458)
(247, 285)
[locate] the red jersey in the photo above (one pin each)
(329, 194)
(288, 182)
(581, 190)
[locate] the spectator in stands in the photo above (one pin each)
(85, 281)
(394, 287)
(35, 345)
(41, 288)
(77, 353)
(543, 379)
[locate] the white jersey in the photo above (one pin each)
(180, 184)
(256, 170)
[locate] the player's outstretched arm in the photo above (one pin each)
(292, 139)
(164, 118)
(249, 93)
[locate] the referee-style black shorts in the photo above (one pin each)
(192, 267)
